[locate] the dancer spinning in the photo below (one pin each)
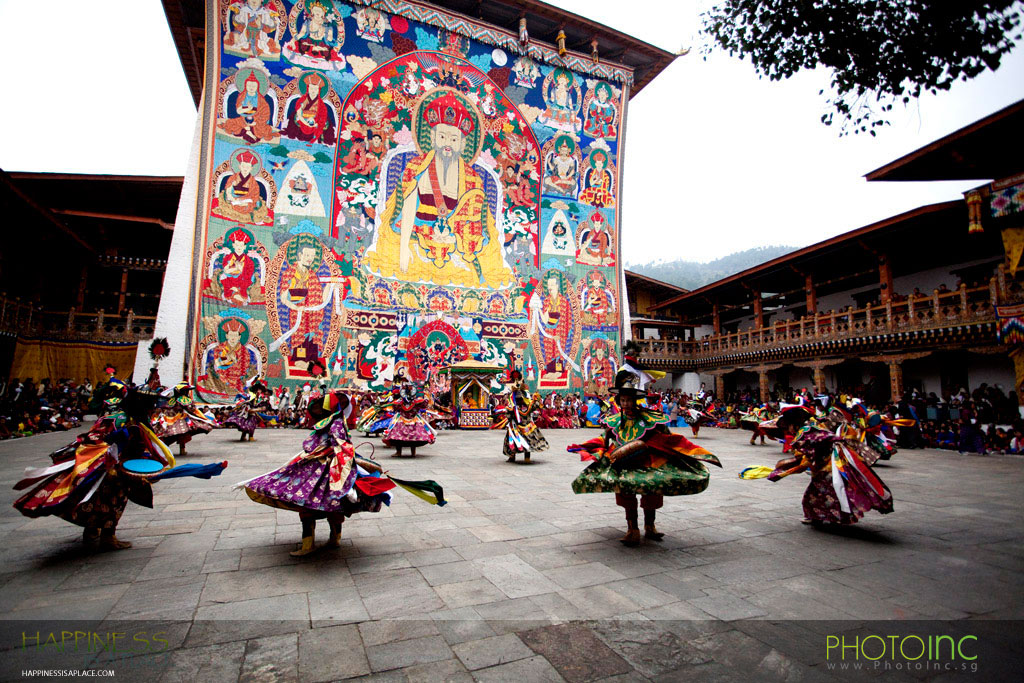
(639, 455)
(179, 420)
(92, 480)
(409, 426)
(327, 480)
(752, 422)
(843, 486)
(379, 416)
(522, 436)
(246, 415)
(695, 416)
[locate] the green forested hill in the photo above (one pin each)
(691, 274)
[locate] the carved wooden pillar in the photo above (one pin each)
(896, 380)
(762, 383)
(124, 290)
(818, 377)
(758, 311)
(80, 295)
(885, 278)
(812, 295)
(720, 386)
(716, 317)
(895, 363)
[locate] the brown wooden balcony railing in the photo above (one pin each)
(957, 307)
(21, 318)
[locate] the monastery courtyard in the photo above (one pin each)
(516, 578)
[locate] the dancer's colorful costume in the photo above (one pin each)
(179, 420)
(639, 455)
(327, 480)
(246, 417)
(522, 436)
(409, 428)
(91, 481)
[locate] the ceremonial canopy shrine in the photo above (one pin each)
(395, 187)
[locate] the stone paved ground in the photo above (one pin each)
(517, 578)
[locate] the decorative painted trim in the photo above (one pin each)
(492, 35)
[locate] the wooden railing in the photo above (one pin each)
(22, 318)
(966, 305)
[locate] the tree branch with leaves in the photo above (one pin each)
(880, 52)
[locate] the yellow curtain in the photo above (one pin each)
(41, 358)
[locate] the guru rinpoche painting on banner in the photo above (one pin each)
(395, 189)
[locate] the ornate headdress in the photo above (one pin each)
(239, 235)
(448, 110)
(247, 157)
(233, 325)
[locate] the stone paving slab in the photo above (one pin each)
(516, 578)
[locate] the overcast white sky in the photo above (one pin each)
(716, 160)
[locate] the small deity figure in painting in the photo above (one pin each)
(559, 237)
(251, 27)
(301, 293)
(599, 367)
(439, 224)
(601, 113)
(556, 324)
(371, 24)
(562, 97)
(594, 242)
(241, 199)
(597, 302)
(525, 72)
(252, 122)
(309, 118)
(561, 168)
(231, 362)
(235, 269)
(359, 159)
(597, 181)
(317, 41)
(517, 186)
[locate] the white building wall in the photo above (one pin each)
(172, 315)
(992, 370)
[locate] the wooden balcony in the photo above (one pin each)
(967, 314)
(21, 318)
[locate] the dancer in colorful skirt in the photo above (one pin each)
(752, 422)
(327, 480)
(179, 420)
(874, 425)
(639, 455)
(843, 486)
(409, 426)
(92, 480)
(379, 416)
(695, 416)
(522, 436)
(246, 415)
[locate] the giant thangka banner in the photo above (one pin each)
(391, 189)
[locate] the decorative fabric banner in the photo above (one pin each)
(1007, 201)
(1013, 244)
(1011, 324)
(393, 189)
(40, 358)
